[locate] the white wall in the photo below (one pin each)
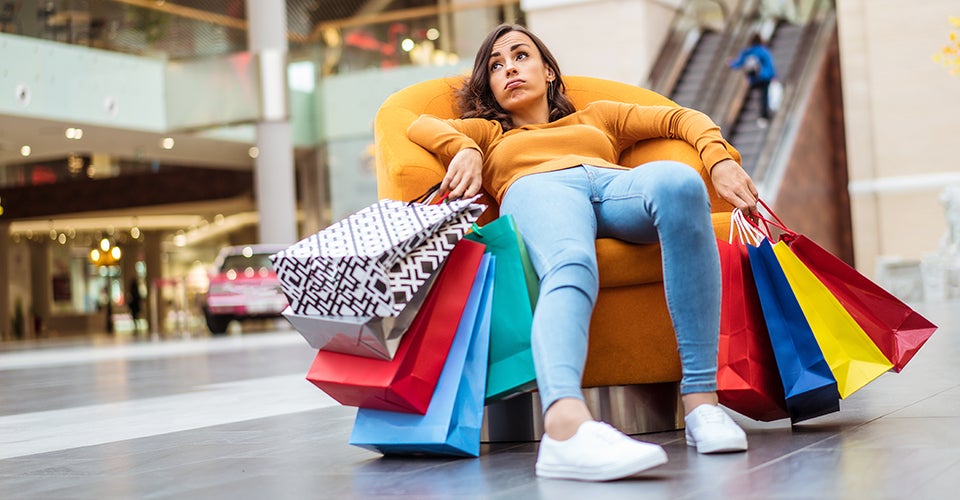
(901, 123)
(614, 39)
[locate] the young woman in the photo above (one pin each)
(554, 169)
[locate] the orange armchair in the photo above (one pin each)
(631, 334)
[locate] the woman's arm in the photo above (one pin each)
(634, 123)
(452, 142)
(697, 129)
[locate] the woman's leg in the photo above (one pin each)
(765, 99)
(554, 215)
(667, 202)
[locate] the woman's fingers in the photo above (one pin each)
(463, 175)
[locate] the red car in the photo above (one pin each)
(243, 286)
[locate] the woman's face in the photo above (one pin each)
(518, 76)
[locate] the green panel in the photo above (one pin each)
(211, 91)
(80, 84)
(348, 103)
(302, 119)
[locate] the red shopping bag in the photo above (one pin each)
(896, 329)
(406, 383)
(748, 381)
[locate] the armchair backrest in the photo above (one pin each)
(405, 170)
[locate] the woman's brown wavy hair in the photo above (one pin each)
(475, 98)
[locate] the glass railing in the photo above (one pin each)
(348, 35)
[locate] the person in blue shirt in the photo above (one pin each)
(757, 62)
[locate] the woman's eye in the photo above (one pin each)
(495, 66)
(522, 55)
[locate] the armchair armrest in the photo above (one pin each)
(676, 150)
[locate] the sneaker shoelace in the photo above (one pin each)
(712, 415)
(608, 433)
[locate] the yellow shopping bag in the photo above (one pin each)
(853, 358)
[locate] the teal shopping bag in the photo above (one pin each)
(515, 292)
(453, 420)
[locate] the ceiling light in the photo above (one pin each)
(167, 143)
(253, 152)
(433, 34)
(25, 151)
(74, 133)
(407, 45)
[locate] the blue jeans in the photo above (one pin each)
(560, 214)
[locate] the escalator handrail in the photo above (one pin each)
(783, 130)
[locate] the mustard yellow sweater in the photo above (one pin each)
(595, 135)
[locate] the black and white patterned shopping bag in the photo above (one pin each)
(373, 261)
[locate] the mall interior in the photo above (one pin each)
(161, 131)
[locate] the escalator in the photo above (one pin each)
(692, 82)
(799, 160)
(746, 133)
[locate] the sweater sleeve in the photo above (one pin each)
(446, 138)
(635, 123)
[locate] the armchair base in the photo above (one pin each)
(633, 409)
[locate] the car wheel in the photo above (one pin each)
(217, 323)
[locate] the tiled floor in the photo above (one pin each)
(234, 418)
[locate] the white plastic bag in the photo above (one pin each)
(775, 95)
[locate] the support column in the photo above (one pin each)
(470, 27)
(274, 166)
(154, 308)
(313, 184)
(128, 273)
(5, 304)
(41, 285)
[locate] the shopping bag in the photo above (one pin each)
(406, 382)
(370, 336)
(515, 294)
(808, 384)
(747, 378)
(452, 423)
(894, 327)
(774, 95)
(853, 358)
(372, 262)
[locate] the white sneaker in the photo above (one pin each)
(597, 452)
(711, 430)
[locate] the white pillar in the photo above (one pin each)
(471, 27)
(274, 167)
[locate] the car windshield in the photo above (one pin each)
(240, 263)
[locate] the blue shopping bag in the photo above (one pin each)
(808, 384)
(453, 420)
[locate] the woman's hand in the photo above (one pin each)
(734, 185)
(463, 178)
